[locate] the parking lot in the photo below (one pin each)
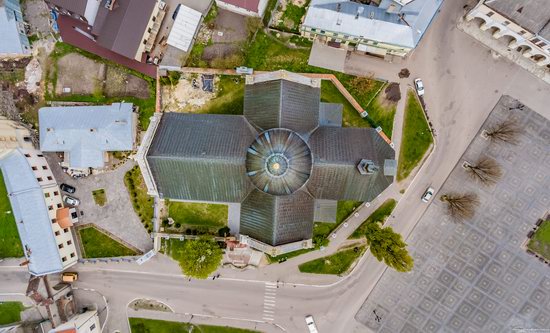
(117, 216)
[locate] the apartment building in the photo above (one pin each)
(13, 135)
(37, 206)
(381, 28)
(522, 25)
(123, 31)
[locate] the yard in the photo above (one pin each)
(229, 97)
(417, 137)
(95, 80)
(289, 14)
(198, 214)
(96, 244)
(338, 263)
(141, 201)
(10, 244)
(350, 116)
(10, 312)
(540, 243)
(100, 197)
(380, 214)
(141, 325)
(343, 210)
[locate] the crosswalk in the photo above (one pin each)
(270, 299)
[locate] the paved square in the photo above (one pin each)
(474, 276)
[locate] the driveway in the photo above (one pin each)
(118, 215)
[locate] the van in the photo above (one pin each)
(69, 277)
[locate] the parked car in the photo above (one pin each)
(428, 194)
(71, 201)
(67, 188)
(311, 324)
(69, 276)
(419, 85)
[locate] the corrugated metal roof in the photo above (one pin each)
(185, 26)
(75, 6)
(31, 215)
(282, 104)
(86, 132)
(372, 22)
(277, 220)
(201, 157)
(11, 25)
(337, 151)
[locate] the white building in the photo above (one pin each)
(523, 25)
(87, 322)
(37, 206)
(15, 43)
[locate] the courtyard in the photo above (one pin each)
(476, 275)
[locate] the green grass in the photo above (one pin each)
(100, 197)
(143, 203)
(10, 244)
(146, 106)
(198, 214)
(141, 325)
(98, 245)
(229, 98)
(417, 137)
(350, 116)
(540, 243)
(337, 263)
(380, 214)
(268, 11)
(382, 115)
(13, 76)
(287, 256)
(343, 210)
(301, 41)
(292, 17)
(10, 312)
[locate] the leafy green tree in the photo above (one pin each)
(387, 245)
(200, 257)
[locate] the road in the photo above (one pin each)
(463, 83)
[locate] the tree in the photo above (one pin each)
(200, 257)
(505, 131)
(387, 245)
(486, 170)
(460, 206)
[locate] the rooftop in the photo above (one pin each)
(14, 39)
(31, 214)
(87, 132)
(388, 23)
(533, 15)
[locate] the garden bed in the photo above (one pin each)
(100, 197)
(540, 242)
(338, 263)
(141, 201)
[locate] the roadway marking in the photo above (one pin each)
(270, 297)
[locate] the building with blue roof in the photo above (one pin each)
(12, 29)
(35, 199)
(85, 134)
(391, 27)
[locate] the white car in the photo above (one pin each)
(419, 85)
(311, 324)
(428, 194)
(71, 201)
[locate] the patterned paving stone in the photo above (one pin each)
(475, 276)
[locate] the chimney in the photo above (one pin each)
(359, 12)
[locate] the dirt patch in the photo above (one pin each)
(119, 83)
(404, 73)
(80, 74)
(393, 93)
(184, 97)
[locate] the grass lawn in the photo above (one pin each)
(229, 98)
(198, 214)
(292, 17)
(417, 137)
(10, 312)
(382, 114)
(286, 256)
(343, 210)
(172, 247)
(380, 214)
(143, 203)
(337, 263)
(98, 245)
(350, 116)
(141, 325)
(13, 76)
(100, 197)
(540, 243)
(10, 244)
(146, 106)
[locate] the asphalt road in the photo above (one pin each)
(463, 83)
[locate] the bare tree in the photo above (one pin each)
(487, 171)
(505, 131)
(461, 206)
